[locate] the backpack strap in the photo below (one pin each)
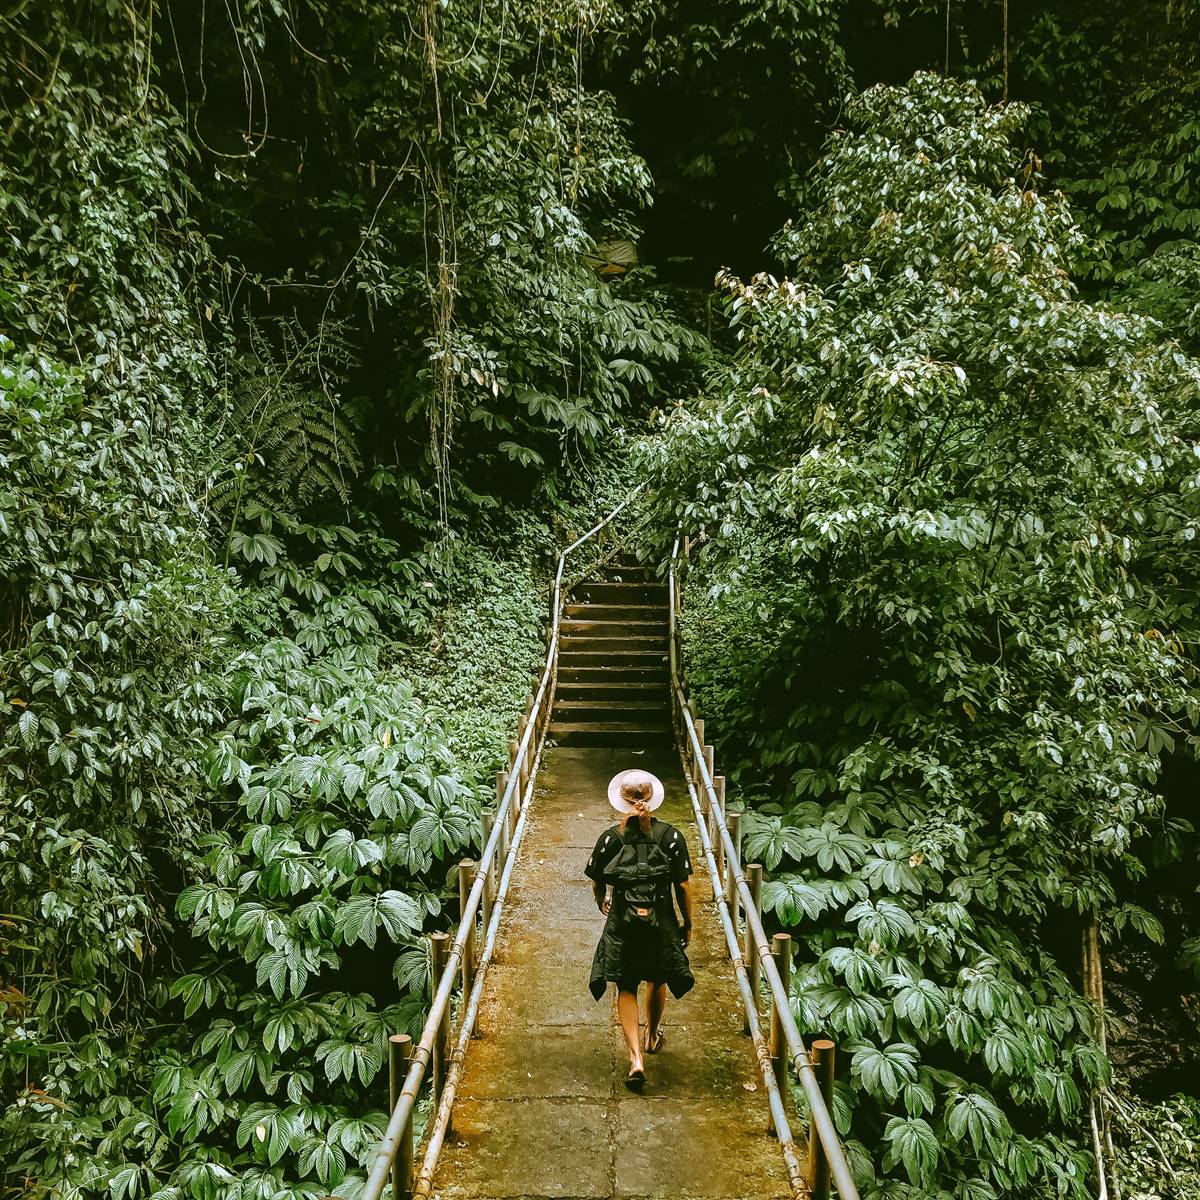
(643, 855)
(658, 831)
(656, 836)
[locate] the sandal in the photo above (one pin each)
(635, 1080)
(655, 1044)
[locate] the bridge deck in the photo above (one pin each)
(542, 1109)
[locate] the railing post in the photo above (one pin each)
(708, 760)
(501, 788)
(697, 754)
(781, 952)
(734, 821)
(540, 719)
(466, 877)
(715, 837)
(439, 945)
(754, 874)
(514, 748)
(487, 825)
(822, 1054)
(399, 1056)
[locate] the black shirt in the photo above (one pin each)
(673, 843)
(655, 955)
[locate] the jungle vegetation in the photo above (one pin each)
(322, 325)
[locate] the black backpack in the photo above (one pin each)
(639, 873)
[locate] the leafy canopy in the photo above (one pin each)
(927, 487)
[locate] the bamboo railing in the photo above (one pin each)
(732, 887)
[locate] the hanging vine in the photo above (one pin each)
(444, 281)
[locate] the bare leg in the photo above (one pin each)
(656, 1003)
(627, 1011)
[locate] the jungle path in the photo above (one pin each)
(542, 1110)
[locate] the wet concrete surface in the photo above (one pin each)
(542, 1109)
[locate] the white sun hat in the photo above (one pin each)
(632, 778)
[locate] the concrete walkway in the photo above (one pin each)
(542, 1109)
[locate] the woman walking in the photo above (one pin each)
(645, 863)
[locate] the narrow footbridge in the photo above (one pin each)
(525, 1069)
(541, 1109)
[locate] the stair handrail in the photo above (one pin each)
(556, 603)
(422, 1051)
(835, 1153)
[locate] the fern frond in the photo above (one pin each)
(292, 439)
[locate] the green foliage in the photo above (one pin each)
(226, 817)
(348, 806)
(485, 647)
(294, 288)
(926, 487)
(104, 573)
(289, 441)
(1158, 1147)
(1166, 286)
(1112, 91)
(1118, 93)
(112, 611)
(728, 100)
(447, 176)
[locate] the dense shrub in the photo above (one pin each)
(932, 487)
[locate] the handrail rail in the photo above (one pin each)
(422, 1053)
(819, 1111)
(762, 1054)
(595, 529)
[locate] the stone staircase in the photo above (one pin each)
(612, 663)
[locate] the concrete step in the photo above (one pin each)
(632, 711)
(585, 656)
(590, 668)
(575, 627)
(625, 572)
(616, 612)
(611, 592)
(609, 733)
(635, 690)
(575, 643)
